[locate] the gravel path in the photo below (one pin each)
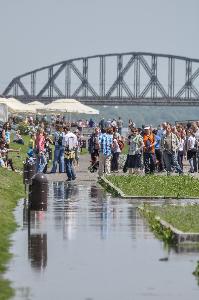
(83, 175)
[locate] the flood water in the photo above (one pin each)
(90, 246)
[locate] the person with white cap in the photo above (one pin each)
(70, 143)
(149, 150)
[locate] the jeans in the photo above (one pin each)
(180, 159)
(191, 156)
(120, 130)
(41, 162)
(58, 158)
(70, 171)
(170, 159)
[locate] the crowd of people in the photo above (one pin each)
(5, 138)
(161, 149)
(66, 146)
(149, 150)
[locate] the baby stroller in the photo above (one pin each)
(94, 166)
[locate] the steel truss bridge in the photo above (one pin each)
(133, 78)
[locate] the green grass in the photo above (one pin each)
(18, 161)
(184, 218)
(152, 185)
(11, 190)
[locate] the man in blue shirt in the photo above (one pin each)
(158, 151)
(105, 144)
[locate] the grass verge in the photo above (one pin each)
(196, 272)
(18, 159)
(184, 218)
(160, 231)
(152, 185)
(11, 190)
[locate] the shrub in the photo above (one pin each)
(24, 128)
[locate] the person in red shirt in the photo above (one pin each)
(40, 150)
(149, 150)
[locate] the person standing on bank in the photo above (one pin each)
(135, 150)
(120, 125)
(59, 150)
(149, 150)
(105, 148)
(70, 144)
(170, 146)
(40, 151)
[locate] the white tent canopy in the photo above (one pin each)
(68, 106)
(36, 104)
(15, 106)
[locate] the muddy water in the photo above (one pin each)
(90, 246)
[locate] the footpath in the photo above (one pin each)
(82, 172)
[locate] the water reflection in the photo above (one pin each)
(37, 237)
(86, 231)
(37, 251)
(100, 205)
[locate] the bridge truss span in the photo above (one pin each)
(133, 78)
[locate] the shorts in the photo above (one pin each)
(134, 161)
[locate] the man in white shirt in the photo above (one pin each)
(70, 143)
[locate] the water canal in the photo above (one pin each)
(90, 246)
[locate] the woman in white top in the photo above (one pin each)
(115, 154)
(191, 151)
(181, 148)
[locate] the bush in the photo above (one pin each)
(24, 128)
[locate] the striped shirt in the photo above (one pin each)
(105, 141)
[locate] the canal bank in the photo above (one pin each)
(11, 190)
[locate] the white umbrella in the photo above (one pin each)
(36, 105)
(68, 106)
(15, 106)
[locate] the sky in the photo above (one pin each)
(36, 33)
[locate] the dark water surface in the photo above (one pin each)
(88, 245)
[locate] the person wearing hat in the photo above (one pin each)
(149, 150)
(70, 143)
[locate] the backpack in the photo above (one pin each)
(121, 144)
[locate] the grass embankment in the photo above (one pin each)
(184, 218)
(152, 185)
(18, 159)
(11, 190)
